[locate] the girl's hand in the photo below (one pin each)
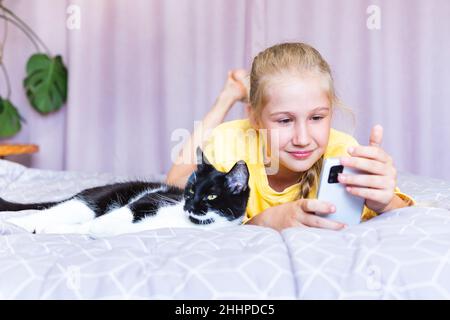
(237, 85)
(377, 187)
(299, 213)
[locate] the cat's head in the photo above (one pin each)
(212, 196)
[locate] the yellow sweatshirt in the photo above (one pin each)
(237, 140)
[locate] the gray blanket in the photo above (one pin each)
(401, 254)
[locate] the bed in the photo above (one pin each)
(403, 254)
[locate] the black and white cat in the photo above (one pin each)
(211, 199)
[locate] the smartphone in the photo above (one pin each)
(348, 207)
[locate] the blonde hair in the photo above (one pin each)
(297, 59)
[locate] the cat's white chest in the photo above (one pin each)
(168, 217)
(120, 221)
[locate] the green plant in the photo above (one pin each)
(45, 83)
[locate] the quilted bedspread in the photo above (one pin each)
(402, 254)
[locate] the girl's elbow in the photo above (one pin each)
(177, 180)
(173, 181)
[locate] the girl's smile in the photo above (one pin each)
(301, 154)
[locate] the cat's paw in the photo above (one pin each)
(29, 223)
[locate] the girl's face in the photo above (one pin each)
(297, 117)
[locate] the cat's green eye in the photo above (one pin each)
(212, 197)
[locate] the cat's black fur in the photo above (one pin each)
(231, 189)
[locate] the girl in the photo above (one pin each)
(291, 99)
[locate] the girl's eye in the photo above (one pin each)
(317, 118)
(211, 197)
(284, 121)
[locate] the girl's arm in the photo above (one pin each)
(234, 90)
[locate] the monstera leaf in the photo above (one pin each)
(9, 119)
(46, 83)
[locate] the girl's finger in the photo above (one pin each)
(369, 194)
(368, 181)
(315, 206)
(376, 135)
(368, 165)
(312, 220)
(370, 152)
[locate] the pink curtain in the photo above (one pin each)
(139, 69)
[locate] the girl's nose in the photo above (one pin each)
(301, 136)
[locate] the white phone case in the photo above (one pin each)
(348, 207)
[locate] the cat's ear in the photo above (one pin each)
(203, 163)
(236, 179)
